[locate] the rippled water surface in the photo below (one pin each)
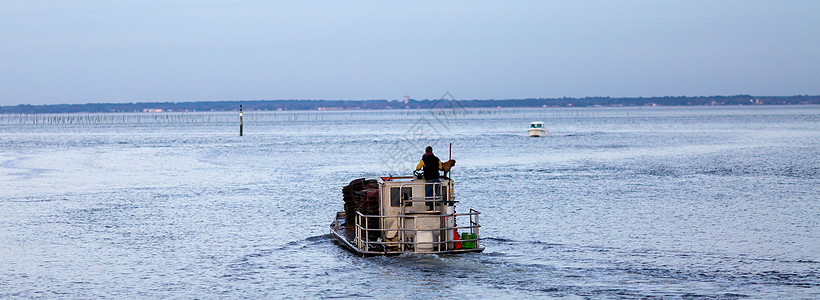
(614, 203)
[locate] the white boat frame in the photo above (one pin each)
(422, 225)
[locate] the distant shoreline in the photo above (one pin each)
(302, 105)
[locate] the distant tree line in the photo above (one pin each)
(268, 105)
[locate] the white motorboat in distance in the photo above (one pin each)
(537, 129)
(395, 215)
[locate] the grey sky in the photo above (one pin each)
(140, 51)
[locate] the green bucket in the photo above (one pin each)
(468, 236)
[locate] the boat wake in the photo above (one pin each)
(580, 266)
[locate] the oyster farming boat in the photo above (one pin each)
(395, 215)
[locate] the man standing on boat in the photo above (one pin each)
(430, 165)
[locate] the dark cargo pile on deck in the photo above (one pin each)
(361, 195)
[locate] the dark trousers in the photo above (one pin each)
(429, 188)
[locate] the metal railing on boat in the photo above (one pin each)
(364, 243)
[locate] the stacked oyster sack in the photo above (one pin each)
(361, 195)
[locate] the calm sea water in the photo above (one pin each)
(614, 203)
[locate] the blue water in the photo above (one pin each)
(682, 202)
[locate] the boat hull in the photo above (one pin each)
(533, 132)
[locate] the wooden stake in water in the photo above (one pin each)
(240, 120)
(449, 158)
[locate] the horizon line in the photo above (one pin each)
(410, 99)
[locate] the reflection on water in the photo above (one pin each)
(651, 202)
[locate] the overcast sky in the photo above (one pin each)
(80, 51)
